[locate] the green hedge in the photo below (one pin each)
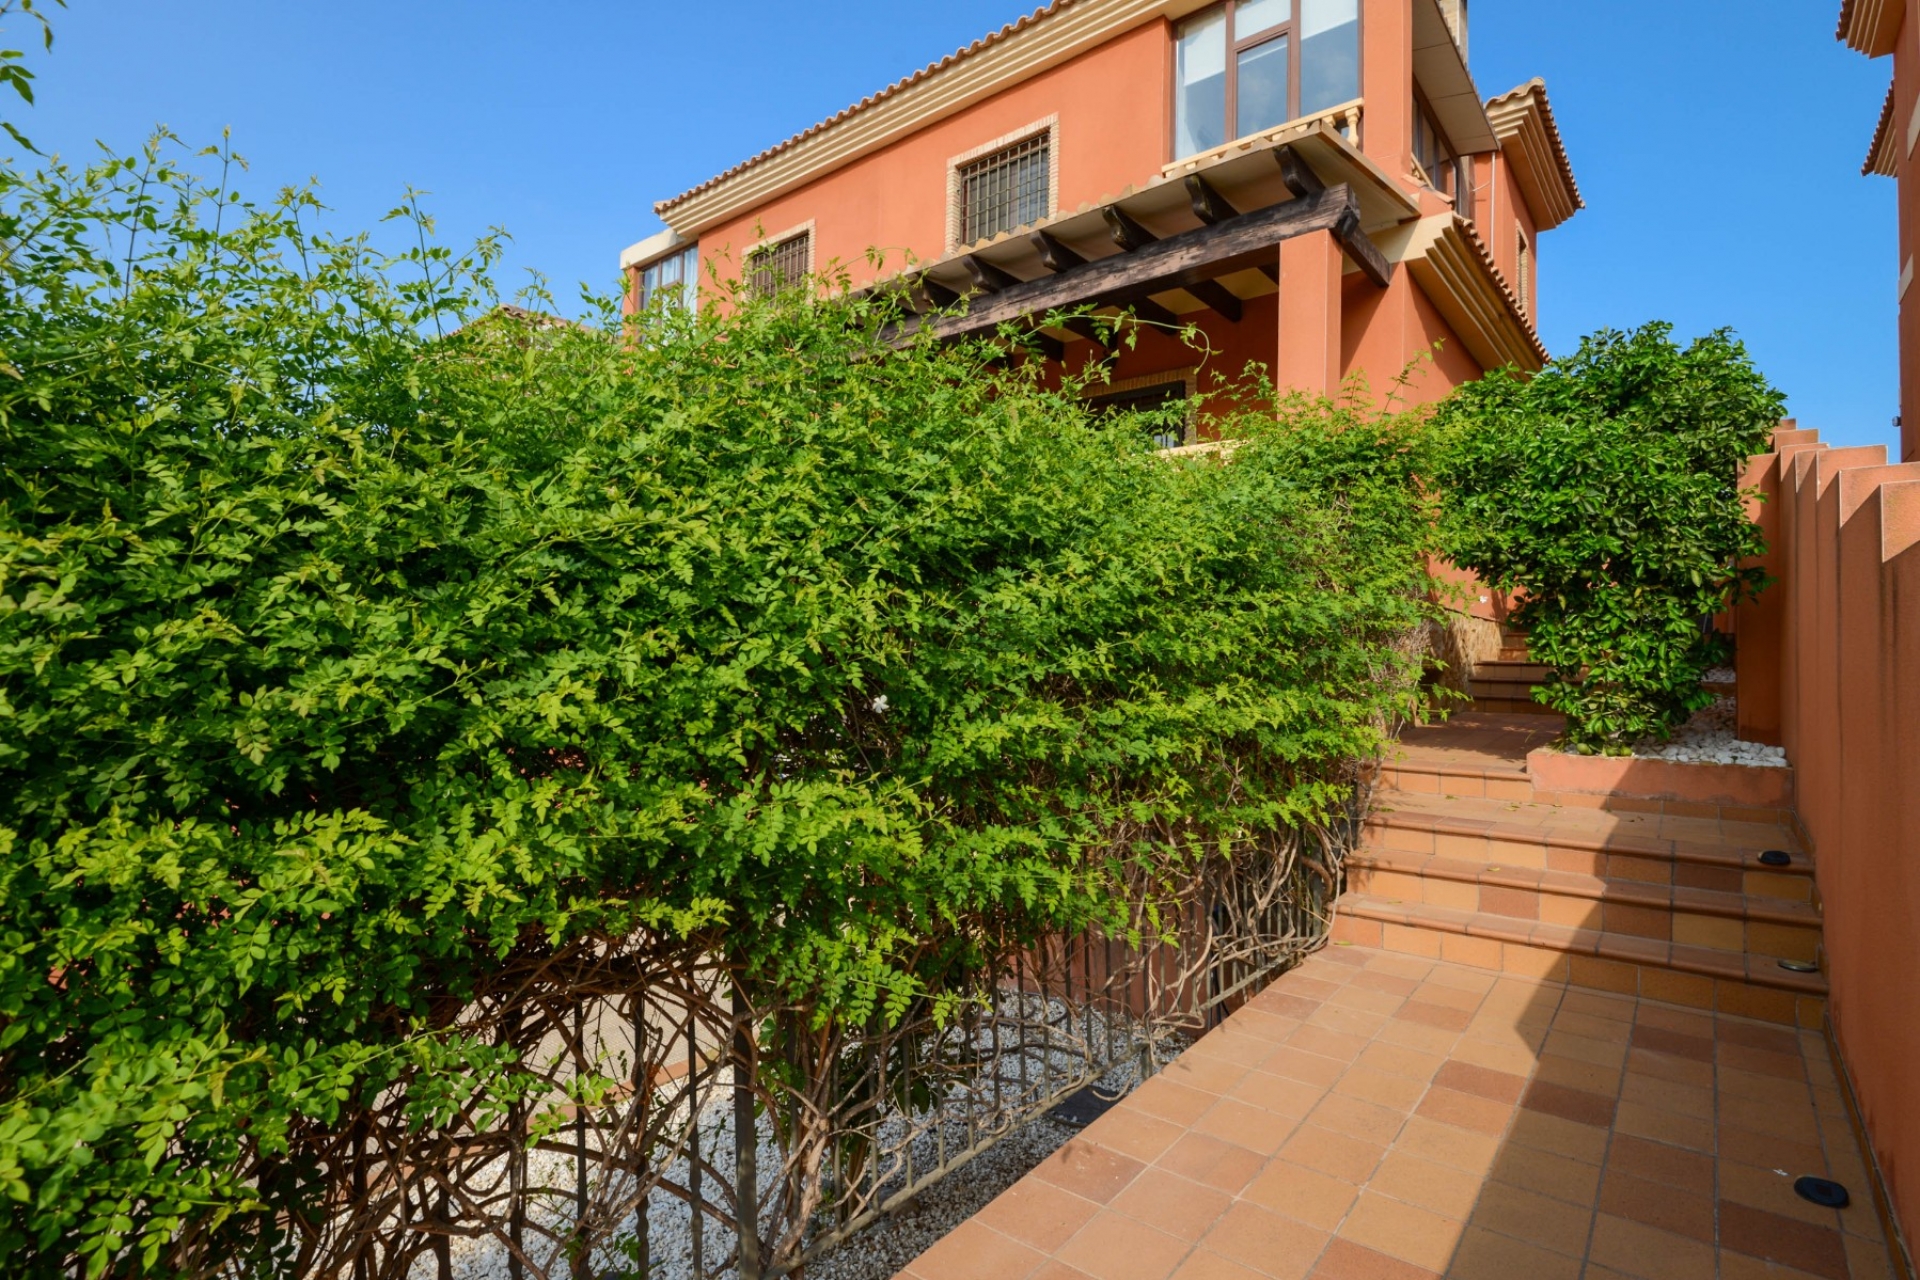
(341, 660)
(1606, 489)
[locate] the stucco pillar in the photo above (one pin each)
(1309, 356)
(1386, 71)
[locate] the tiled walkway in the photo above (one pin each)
(1375, 1116)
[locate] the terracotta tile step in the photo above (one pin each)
(1741, 985)
(1731, 922)
(1513, 706)
(1692, 853)
(1457, 778)
(1513, 669)
(1732, 905)
(1502, 687)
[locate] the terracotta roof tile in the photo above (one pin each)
(1471, 234)
(1505, 106)
(866, 103)
(1881, 158)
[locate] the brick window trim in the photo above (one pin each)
(1049, 127)
(767, 242)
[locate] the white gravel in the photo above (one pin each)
(1709, 738)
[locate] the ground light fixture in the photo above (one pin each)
(1823, 1192)
(1799, 966)
(1776, 858)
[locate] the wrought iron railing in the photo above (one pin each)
(679, 1131)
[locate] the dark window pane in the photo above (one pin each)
(1263, 88)
(1200, 85)
(1329, 54)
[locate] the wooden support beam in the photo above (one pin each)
(1197, 257)
(1090, 329)
(1304, 182)
(1054, 255)
(1131, 236)
(1208, 205)
(938, 294)
(1298, 174)
(1037, 343)
(1365, 254)
(1126, 233)
(987, 276)
(1153, 313)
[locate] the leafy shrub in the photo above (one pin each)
(345, 665)
(1606, 490)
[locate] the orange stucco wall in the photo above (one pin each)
(1829, 667)
(1504, 218)
(1113, 111)
(1113, 105)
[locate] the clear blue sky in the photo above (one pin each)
(1718, 142)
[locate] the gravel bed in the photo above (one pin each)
(1709, 738)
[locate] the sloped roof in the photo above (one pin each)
(1871, 26)
(1881, 156)
(870, 101)
(1456, 271)
(1530, 139)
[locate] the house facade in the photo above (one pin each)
(1881, 29)
(1316, 185)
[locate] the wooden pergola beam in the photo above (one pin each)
(1130, 236)
(1303, 182)
(1197, 257)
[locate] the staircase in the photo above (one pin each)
(1505, 685)
(1464, 860)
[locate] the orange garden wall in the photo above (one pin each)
(1829, 668)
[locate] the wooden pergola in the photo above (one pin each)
(1204, 237)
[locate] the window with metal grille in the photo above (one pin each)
(1008, 189)
(778, 266)
(1162, 406)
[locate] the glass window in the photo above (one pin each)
(1245, 66)
(1329, 54)
(1255, 16)
(1263, 98)
(672, 281)
(1431, 150)
(1200, 115)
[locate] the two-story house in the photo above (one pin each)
(1317, 185)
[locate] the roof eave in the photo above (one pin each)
(1451, 264)
(1019, 51)
(1441, 71)
(1881, 156)
(1530, 139)
(1871, 27)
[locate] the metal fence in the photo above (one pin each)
(680, 1131)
